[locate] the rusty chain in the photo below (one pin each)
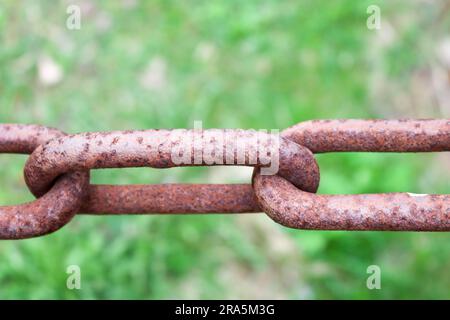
(57, 207)
(57, 172)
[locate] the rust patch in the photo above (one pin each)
(294, 208)
(57, 207)
(131, 149)
(286, 197)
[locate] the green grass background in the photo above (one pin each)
(232, 64)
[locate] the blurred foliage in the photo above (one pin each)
(247, 64)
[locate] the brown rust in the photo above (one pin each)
(280, 199)
(170, 198)
(23, 138)
(154, 148)
(57, 207)
(319, 135)
(294, 208)
(372, 135)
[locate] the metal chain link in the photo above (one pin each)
(58, 172)
(57, 207)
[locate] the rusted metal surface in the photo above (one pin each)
(170, 198)
(371, 135)
(55, 208)
(154, 148)
(320, 135)
(294, 208)
(58, 171)
(23, 139)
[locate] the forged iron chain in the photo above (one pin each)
(58, 173)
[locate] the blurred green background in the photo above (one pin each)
(138, 64)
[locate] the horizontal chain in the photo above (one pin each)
(58, 173)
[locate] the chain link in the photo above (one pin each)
(57, 207)
(58, 173)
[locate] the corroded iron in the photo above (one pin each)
(170, 198)
(58, 172)
(154, 148)
(319, 135)
(57, 207)
(371, 135)
(295, 208)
